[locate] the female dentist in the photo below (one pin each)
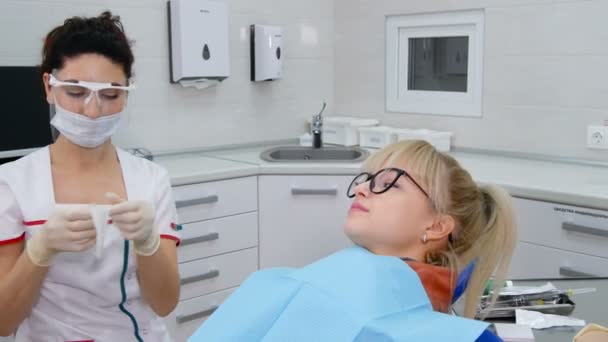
(52, 285)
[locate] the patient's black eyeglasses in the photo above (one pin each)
(381, 181)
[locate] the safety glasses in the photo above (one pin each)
(81, 91)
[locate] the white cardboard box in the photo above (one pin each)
(440, 140)
(343, 130)
(376, 137)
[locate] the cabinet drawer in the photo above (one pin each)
(190, 314)
(218, 236)
(204, 276)
(204, 201)
(565, 227)
(301, 218)
(534, 261)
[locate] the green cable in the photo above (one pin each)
(490, 286)
(124, 293)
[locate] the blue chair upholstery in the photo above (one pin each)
(463, 281)
(488, 336)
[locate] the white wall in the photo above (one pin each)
(546, 62)
(166, 117)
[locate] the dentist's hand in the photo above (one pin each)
(66, 230)
(135, 220)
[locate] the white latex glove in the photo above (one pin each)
(135, 220)
(66, 230)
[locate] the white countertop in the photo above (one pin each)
(565, 183)
(193, 168)
(579, 185)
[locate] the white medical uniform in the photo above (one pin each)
(81, 298)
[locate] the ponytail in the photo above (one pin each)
(493, 248)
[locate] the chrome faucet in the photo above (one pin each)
(317, 128)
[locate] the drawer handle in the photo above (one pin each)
(205, 276)
(571, 227)
(196, 201)
(570, 272)
(322, 192)
(204, 238)
(181, 319)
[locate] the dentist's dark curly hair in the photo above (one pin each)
(103, 35)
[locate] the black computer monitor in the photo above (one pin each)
(25, 114)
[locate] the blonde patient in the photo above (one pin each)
(418, 204)
(417, 219)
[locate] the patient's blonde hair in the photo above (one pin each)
(485, 230)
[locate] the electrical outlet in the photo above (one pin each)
(597, 137)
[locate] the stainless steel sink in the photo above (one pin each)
(327, 154)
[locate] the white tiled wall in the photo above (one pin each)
(167, 117)
(546, 62)
(545, 66)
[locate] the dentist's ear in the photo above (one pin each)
(47, 88)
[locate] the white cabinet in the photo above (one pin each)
(535, 261)
(190, 314)
(213, 237)
(232, 227)
(6, 339)
(205, 201)
(204, 276)
(301, 218)
(219, 247)
(558, 240)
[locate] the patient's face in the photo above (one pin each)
(391, 223)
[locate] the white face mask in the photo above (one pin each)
(84, 131)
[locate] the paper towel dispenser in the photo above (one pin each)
(198, 41)
(266, 45)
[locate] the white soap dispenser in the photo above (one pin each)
(266, 45)
(198, 40)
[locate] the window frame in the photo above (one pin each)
(399, 29)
